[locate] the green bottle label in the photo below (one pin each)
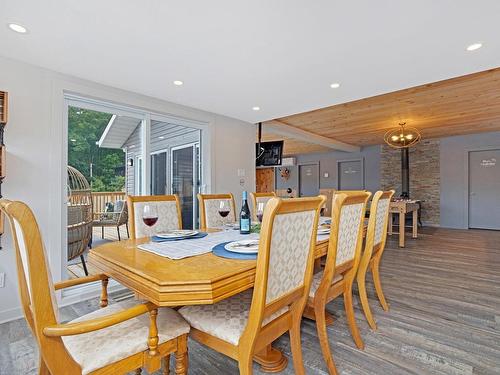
(245, 225)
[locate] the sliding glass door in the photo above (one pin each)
(185, 167)
(159, 183)
(120, 151)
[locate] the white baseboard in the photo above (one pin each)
(426, 224)
(9, 315)
(69, 297)
(84, 292)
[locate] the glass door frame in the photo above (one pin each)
(97, 106)
(168, 183)
(75, 95)
(198, 177)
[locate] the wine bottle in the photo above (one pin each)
(245, 216)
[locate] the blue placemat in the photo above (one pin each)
(220, 251)
(161, 239)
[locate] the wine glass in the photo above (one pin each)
(260, 211)
(224, 209)
(150, 216)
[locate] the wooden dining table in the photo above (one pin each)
(402, 208)
(197, 280)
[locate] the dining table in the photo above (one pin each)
(401, 208)
(194, 280)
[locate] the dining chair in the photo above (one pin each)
(79, 232)
(328, 193)
(115, 339)
(350, 192)
(168, 208)
(260, 198)
(376, 236)
(337, 277)
(246, 324)
(116, 218)
(209, 210)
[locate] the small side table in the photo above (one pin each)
(402, 208)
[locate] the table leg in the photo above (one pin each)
(309, 314)
(415, 223)
(389, 229)
(402, 229)
(271, 360)
(317, 264)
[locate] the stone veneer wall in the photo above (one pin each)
(424, 176)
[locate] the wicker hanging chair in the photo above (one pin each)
(79, 215)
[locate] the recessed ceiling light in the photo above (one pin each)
(474, 46)
(73, 140)
(161, 137)
(17, 28)
(335, 85)
(256, 108)
(178, 83)
(132, 146)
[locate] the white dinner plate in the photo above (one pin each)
(323, 230)
(177, 233)
(243, 246)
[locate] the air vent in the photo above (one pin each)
(288, 162)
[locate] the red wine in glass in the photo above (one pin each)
(223, 209)
(150, 221)
(223, 213)
(260, 211)
(150, 216)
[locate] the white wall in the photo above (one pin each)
(328, 164)
(36, 148)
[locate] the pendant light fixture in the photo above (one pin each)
(402, 136)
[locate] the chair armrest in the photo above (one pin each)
(69, 329)
(80, 280)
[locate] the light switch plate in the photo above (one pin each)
(2, 279)
(241, 173)
(326, 175)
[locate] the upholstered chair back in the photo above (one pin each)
(378, 221)
(36, 287)
(291, 239)
(209, 210)
(351, 222)
(169, 214)
(382, 217)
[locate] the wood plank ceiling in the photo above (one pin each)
(463, 105)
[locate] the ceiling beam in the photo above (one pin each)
(280, 128)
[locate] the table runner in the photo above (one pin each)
(188, 248)
(192, 247)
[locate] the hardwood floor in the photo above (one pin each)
(444, 294)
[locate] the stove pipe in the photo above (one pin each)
(405, 173)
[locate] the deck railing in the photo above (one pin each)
(100, 198)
